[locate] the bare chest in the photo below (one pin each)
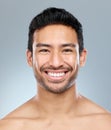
(59, 125)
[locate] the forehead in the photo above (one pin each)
(55, 34)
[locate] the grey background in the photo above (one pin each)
(17, 83)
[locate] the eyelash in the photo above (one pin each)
(67, 50)
(44, 50)
(64, 50)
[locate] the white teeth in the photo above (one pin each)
(56, 74)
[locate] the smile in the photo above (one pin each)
(56, 76)
(52, 74)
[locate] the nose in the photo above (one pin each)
(56, 60)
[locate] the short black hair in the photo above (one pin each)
(52, 16)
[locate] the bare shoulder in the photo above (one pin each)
(24, 111)
(92, 107)
(98, 116)
(104, 117)
(16, 119)
(102, 121)
(10, 124)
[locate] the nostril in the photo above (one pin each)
(46, 72)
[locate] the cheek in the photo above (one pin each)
(39, 61)
(72, 60)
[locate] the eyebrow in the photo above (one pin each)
(42, 45)
(63, 45)
(69, 45)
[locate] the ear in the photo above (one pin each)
(83, 56)
(29, 57)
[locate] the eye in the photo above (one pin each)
(44, 51)
(68, 51)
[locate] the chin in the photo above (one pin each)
(57, 88)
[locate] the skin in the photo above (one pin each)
(57, 105)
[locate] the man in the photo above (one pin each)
(56, 52)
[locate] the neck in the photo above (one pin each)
(57, 104)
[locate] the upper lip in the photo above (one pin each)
(56, 71)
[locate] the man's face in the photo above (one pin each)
(55, 59)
